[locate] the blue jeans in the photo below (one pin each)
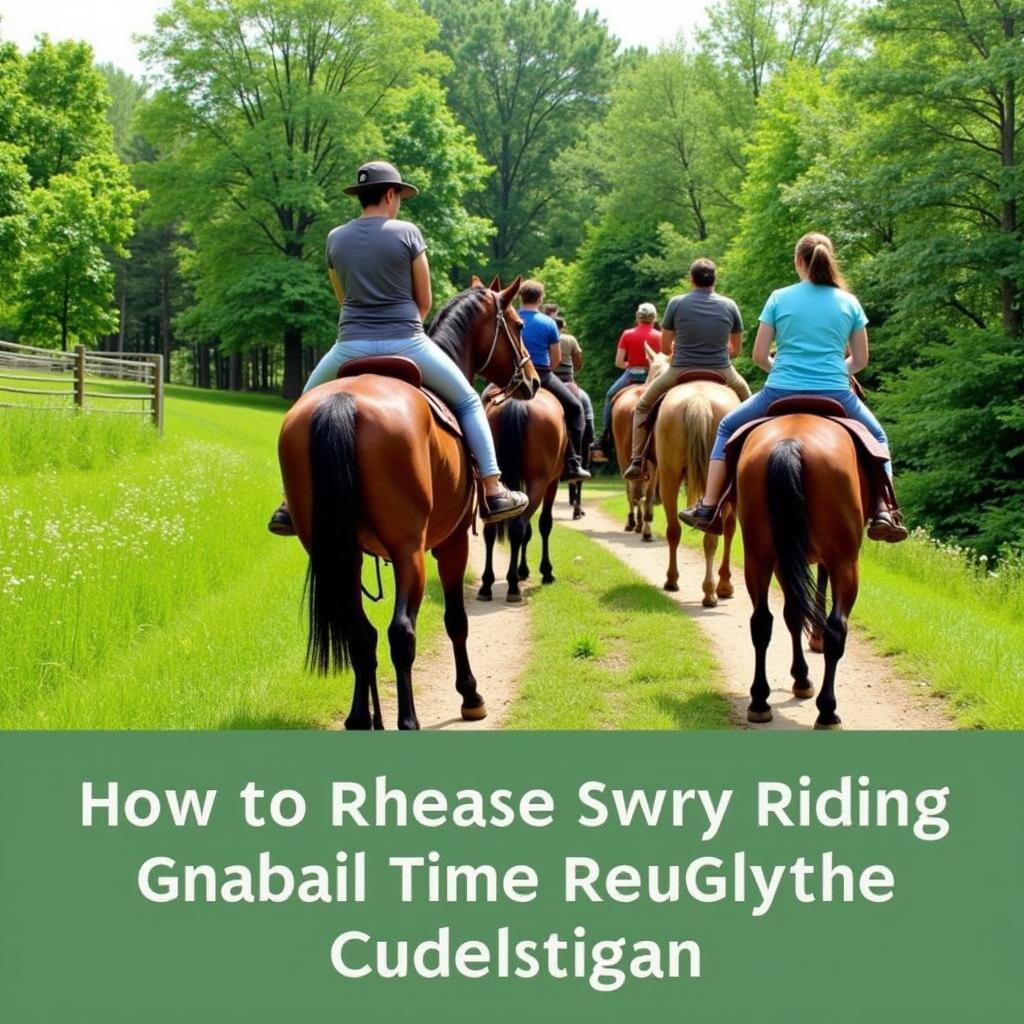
(757, 406)
(588, 408)
(637, 375)
(440, 374)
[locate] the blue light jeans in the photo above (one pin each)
(637, 375)
(757, 406)
(440, 374)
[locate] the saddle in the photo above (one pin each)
(400, 368)
(686, 377)
(871, 454)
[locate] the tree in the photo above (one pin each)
(527, 78)
(266, 108)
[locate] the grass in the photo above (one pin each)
(611, 652)
(942, 615)
(139, 587)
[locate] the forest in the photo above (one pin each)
(186, 212)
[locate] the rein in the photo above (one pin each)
(518, 377)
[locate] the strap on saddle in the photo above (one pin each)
(689, 376)
(818, 405)
(384, 366)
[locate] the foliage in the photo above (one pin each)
(526, 78)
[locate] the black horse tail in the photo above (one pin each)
(334, 553)
(509, 445)
(787, 513)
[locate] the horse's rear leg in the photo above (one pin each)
(648, 496)
(524, 568)
(409, 582)
(817, 638)
(544, 525)
(760, 635)
(363, 652)
(631, 505)
(802, 685)
(452, 557)
(673, 531)
(487, 580)
(844, 594)
(516, 536)
(725, 587)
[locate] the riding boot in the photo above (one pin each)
(574, 471)
(600, 449)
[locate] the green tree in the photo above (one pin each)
(266, 109)
(527, 78)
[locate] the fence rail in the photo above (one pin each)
(26, 364)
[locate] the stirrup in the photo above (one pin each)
(635, 469)
(281, 524)
(887, 525)
(705, 518)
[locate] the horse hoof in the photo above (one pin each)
(514, 598)
(648, 536)
(816, 643)
(483, 597)
(710, 601)
(358, 724)
(759, 716)
(548, 580)
(629, 527)
(836, 726)
(725, 592)
(672, 588)
(474, 714)
(523, 574)
(804, 691)
(409, 724)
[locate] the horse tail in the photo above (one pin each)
(331, 581)
(699, 425)
(509, 445)
(791, 531)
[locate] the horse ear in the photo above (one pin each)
(651, 354)
(508, 294)
(475, 282)
(495, 285)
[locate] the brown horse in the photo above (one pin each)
(531, 441)
(683, 437)
(802, 499)
(642, 493)
(367, 469)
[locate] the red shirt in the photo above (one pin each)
(633, 341)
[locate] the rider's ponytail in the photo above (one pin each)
(816, 253)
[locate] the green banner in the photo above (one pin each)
(314, 877)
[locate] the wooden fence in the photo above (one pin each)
(79, 377)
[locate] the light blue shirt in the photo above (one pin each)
(813, 324)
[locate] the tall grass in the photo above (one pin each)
(140, 589)
(949, 618)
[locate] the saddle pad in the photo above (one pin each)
(688, 376)
(405, 370)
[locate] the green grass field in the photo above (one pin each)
(941, 614)
(142, 589)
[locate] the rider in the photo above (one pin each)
(540, 335)
(378, 267)
(704, 331)
(812, 324)
(631, 358)
(572, 360)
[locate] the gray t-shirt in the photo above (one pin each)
(702, 321)
(373, 259)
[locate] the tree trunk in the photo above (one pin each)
(293, 382)
(235, 376)
(165, 321)
(1012, 313)
(204, 365)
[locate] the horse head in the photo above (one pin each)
(657, 363)
(499, 353)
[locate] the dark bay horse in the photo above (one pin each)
(531, 441)
(367, 469)
(803, 499)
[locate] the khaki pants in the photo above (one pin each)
(664, 382)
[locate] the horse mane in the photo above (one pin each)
(454, 319)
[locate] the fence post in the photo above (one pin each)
(158, 391)
(80, 376)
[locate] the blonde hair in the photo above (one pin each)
(817, 255)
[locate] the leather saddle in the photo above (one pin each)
(686, 377)
(871, 454)
(400, 368)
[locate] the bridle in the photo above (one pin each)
(518, 377)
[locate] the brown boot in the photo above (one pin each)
(887, 525)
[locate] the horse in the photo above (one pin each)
(366, 468)
(576, 487)
(684, 434)
(803, 499)
(531, 442)
(642, 493)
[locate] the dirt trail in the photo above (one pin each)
(499, 638)
(870, 694)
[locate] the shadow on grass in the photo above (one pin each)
(635, 597)
(698, 708)
(245, 721)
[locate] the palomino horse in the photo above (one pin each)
(683, 437)
(531, 440)
(367, 469)
(803, 499)
(641, 493)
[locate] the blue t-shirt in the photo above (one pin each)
(813, 324)
(539, 331)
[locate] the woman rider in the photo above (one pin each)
(812, 324)
(378, 267)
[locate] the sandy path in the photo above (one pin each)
(499, 638)
(870, 694)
